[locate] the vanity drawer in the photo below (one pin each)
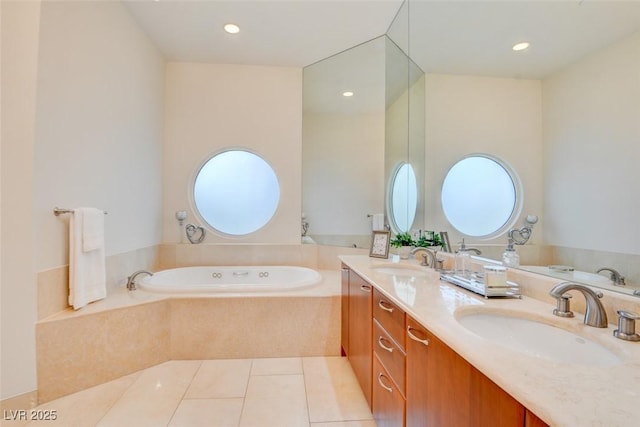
(392, 357)
(390, 316)
(388, 404)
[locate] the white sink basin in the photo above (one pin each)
(538, 339)
(401, 270)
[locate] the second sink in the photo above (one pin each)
(538, 339)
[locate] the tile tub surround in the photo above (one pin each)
(560, 394)
(271, 392)
(130, 331)
(53, 284)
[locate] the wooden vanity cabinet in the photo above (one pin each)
(531, 420)
(410, 377)
(359, 347)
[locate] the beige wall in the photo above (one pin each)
(210, 108)
(89, 136)
(591, 146)
(20, 23)
(99, 127)
(470, 114)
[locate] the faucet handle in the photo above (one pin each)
(627, 326)
(563, 308)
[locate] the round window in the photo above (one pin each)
(236, 192)
(480, 196)
(403, 198)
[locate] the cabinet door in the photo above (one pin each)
(344, 310)
(531, 420)
(360, 331)
(417, 343)
(437, 381)
(491, 405)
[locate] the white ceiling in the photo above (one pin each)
(292, 33)
(447, 36)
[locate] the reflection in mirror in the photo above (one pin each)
(343, 145)
(349, 143)
(564, 113)
(403, 199)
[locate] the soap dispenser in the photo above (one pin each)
(463, 261)
(510, 257)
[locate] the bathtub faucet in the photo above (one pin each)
(131, 284)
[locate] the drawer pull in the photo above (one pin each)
(384, 347)
(415, 338)
(386, 387)
(365, 288)
(383, 305)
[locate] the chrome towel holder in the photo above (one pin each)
(59, 211)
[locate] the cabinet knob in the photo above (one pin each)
(365, 288)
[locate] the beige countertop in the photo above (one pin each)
(561, 394)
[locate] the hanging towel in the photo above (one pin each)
(87, 271)
(92, 229)
(377, 223)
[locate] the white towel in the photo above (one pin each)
(87, 271)
(92, 229)
(377, 223)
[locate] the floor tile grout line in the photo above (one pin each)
(139, 374)
(185, 392)
(306, 394)
(244, 397)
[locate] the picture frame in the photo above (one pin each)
(380, 240)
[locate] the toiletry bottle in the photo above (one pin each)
(510, 257)
(463, 261)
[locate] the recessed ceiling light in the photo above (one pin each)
(231, 28)
(347, 94)
(521, 46)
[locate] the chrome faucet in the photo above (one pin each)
(464, 247)
(594, 315)
(131, 284)
(615, 277)
(429, 258)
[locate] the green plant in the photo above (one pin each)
(402, 239)
(429, 238)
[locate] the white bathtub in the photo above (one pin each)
(230, 279)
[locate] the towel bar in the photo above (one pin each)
(58, 211)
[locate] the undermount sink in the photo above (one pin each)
(538, 339)
(400, 270)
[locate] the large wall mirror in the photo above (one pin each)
(564, 113)
(363, 119)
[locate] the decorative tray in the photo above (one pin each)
(476, 284)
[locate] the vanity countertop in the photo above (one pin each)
(561, 394)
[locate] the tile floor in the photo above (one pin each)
(296, 392)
